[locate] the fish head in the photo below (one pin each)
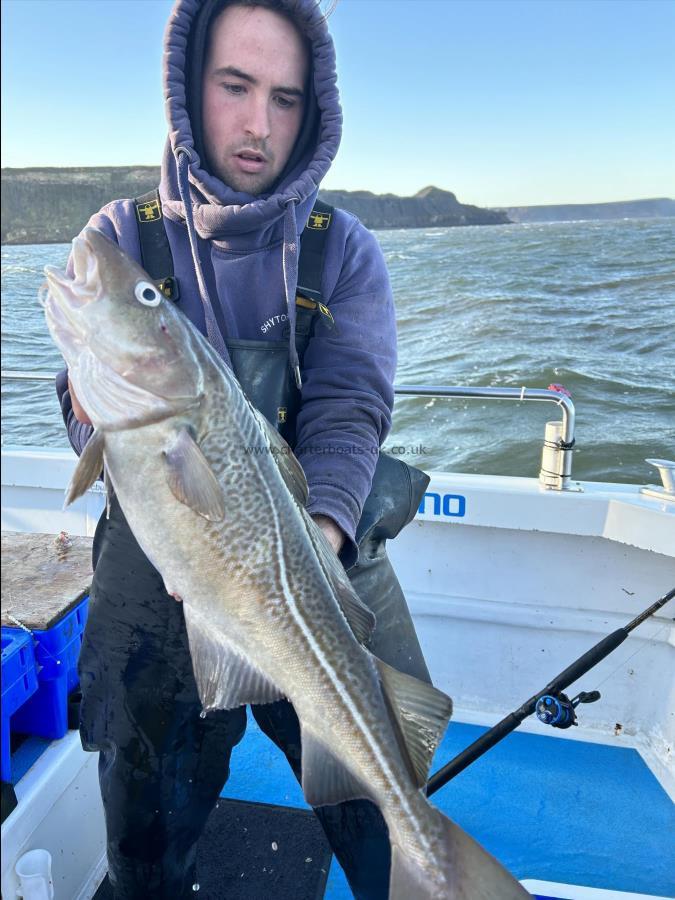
(129, 351)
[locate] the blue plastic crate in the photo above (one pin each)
(57, 650)
(19, 682)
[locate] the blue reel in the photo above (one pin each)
(558, 710)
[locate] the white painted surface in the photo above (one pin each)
(60, 809)
(576, 892)
(508, 594)
(618, 512)
(34, 481)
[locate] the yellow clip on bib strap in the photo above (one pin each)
(306, 303)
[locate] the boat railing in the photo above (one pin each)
(556, 457)
(556, 463)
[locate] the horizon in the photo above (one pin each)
(503, 103)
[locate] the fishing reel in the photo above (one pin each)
(559, 711)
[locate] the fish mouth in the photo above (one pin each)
(64, 297)
(75, 292)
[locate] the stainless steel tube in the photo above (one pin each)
(557, 472)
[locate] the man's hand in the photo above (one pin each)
(78, 409)
(332, 531)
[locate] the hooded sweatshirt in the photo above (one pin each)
(235, 257)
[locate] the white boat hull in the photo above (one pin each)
(508, 584)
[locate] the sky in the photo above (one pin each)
(503, 102)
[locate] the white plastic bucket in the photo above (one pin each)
(34, 871)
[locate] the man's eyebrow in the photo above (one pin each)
(237, 73)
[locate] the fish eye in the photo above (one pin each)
(147, 293)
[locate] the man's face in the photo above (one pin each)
(253, 96)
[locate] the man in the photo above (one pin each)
(254, 123)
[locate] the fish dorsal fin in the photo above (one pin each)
(325, 779)
(88, 469)
(361, 619)
(191, 478)
(291, 470)
(225, 677)
(421, 712)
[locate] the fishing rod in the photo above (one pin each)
(551, 705)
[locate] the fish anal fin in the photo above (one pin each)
(88, 469)
(191, 478)
(422, 713)
(225, 677)
(325, 778)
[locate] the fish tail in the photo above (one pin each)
(461, 871)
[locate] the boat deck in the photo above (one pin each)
(552, 810)
(565, 812)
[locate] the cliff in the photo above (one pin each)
(429, 208)
(576, 212)
(50, 206)
(44, 206)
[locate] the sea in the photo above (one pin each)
(587, 305)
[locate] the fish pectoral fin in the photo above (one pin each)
(325, 778)
(191, 478)
(360, 618)
(287, 463)
(225, 677)
(88, 469)
(421, 712)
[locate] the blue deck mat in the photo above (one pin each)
(549, 809)
(27, 753)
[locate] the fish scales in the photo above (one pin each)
(325, 665)
(217, 504)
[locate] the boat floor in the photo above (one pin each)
(551, 810)
(566, 812)
(255, 851)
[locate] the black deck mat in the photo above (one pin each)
(237, 859)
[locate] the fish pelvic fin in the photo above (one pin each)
(325, 778)
(88, 469)
(421, 713)
(462, 871)
(225, 677)
(191, 478)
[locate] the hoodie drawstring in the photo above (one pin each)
(183, 159)
(290, 266)
(289, 262)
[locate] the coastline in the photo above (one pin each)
(45, 205)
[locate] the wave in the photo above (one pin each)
(588, 305)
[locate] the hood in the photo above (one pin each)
(243, 221)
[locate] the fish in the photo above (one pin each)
(216, 500)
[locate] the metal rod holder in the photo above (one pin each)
(556, 467)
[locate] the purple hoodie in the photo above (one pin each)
(238, 253)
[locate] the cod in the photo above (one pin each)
(216, 501)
